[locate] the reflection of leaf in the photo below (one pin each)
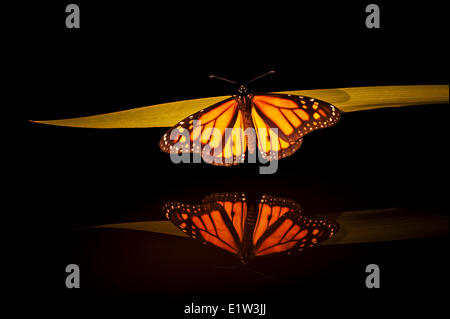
(389, 224)
(346, 99)
(355, 226)
(163, 227)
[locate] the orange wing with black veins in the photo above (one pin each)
(281, 227)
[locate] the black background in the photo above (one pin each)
(132, 54)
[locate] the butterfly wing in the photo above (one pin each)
(294, 116)
(281, 227)
(205, 133)
(207, 222)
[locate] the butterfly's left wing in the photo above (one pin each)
(207, 222)
(281, 227)
(216, 133)
(235, 205)
(293, 116)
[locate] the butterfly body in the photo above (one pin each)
(274, 124)
(246, 251)
(275, 225)
(244, 102)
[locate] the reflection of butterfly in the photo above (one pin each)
(275, 226)
(279, 122)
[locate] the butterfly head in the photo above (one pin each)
(243, 91)
(244, 256)
(244, 260)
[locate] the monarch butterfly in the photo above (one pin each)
(273, 123)
(276, 225)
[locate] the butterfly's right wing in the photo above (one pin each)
(293, 117)
(204, 133)
(281, 227)
(207, 222)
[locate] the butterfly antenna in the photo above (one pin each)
(260, 273)
(261, 76)
(227, 267)
(223, 79)
(248, 268)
